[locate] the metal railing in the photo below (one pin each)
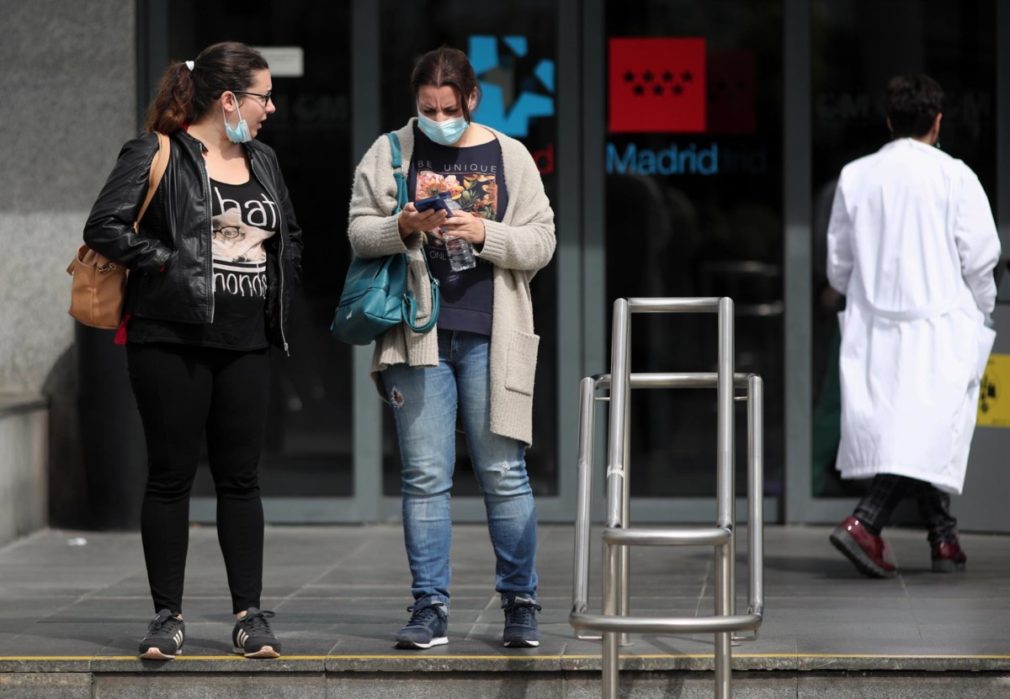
(615, 622)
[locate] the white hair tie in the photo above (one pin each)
(190, 64)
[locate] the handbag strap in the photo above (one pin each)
(410, 308)
(396, 160)
(158, 166)
(409, 302)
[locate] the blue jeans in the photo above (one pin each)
(425, 401)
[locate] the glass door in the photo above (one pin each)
(856, 46)
(307, 464)
(693, 195)
(513, 48)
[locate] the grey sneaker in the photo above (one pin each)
(165, 636)
(520, 621)
(427, 627)
(252, 636)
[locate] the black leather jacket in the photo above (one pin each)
(170, 257)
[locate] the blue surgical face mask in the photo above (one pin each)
(238, 133)
(446, 132)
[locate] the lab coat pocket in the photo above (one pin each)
(522, 362)
(986, 338)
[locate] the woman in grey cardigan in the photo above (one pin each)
(478, 364)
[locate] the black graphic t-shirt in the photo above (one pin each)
(243, 217)
(475, 177)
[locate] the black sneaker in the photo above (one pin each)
(165, 635)
(520, 621)
(252, 636)
(427, 627)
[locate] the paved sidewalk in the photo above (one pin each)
(340, 594)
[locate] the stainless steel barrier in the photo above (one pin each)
(615, 621)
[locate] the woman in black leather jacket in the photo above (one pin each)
(212, 269)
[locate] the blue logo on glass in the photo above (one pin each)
(510, 100)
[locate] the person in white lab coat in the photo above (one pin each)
(912, 245)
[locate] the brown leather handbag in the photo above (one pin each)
(99, 284)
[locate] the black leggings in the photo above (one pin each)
(182, 392)
(887, 490)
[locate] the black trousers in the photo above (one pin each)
(887, 490)
(184, 392)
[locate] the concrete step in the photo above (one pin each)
(192, 683)
(433, 676)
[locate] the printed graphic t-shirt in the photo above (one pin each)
(242, 218)
(475, 177)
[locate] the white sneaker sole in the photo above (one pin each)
(264, 652)
(521, 644)
(155, 654)
(440, 641)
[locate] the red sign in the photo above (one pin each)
(732, 92)
(657, 85)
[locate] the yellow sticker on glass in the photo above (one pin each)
(994, 394)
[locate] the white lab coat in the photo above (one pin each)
(912, 245)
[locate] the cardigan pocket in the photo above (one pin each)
(521, 363)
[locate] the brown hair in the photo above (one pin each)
(186, 95)
(446, 66)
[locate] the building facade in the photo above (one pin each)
(688, 148)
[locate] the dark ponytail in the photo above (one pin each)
(186, 95)
(170, 108)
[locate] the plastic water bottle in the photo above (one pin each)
(459, 251)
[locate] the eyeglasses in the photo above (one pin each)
(265, 97)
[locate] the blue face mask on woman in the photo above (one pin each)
(446, 132)
(238, 133)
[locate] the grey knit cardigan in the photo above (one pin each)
(518, 246)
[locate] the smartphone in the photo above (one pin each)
(436, 202)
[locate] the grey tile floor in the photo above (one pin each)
(340, 593)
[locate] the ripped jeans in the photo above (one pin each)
(425, 401)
